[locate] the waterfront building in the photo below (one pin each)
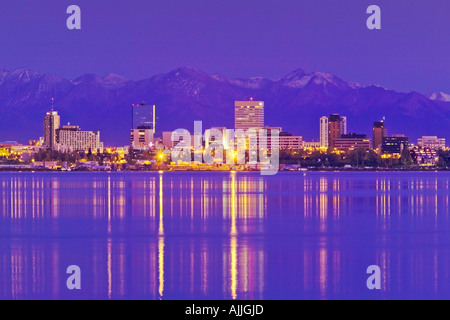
(312, 145)
(248, 114)
(379, 132)
(144, 115)
(343, 125)
(331, 128)
(142, 138)
(324, 140)
(425, 156)
(72, 138)
(51, 125)
(334, 129)
(289, 141)
(431, 142)
(394, 145)
(352, 141)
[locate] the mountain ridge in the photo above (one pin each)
(295, 102)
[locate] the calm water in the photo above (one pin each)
(224, 235)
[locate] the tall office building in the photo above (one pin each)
(334, 129)
(144, 116)
(331, 128)
(379, 132)
(51, 125)
(248, 114)
(324, 132)
(343, 125)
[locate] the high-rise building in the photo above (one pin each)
(331, 128)
(434, 143)
(71, 138)
(248, 114)
(144, 115)
(343, 125)
(334, 129)
(51, 125)
(379, 132)
(324, 140)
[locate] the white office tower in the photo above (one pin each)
(324, 132)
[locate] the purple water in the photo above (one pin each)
(224, 235)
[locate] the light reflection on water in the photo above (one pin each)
(224, 235)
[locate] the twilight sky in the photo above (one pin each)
(238, 38)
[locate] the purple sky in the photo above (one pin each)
(238, 38)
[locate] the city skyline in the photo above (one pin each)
(179, 82)
(249, 115)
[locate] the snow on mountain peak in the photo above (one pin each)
(87, 78)
(23, 74)
(439, 96)
(112, 79)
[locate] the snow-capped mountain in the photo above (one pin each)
(440, 96)
(295, 102)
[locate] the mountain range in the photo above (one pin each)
(294, 102)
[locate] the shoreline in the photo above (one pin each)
(425, 169)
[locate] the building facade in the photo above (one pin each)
(394, 145)
(248, 114)
(324, 140)
(52, 122)
(142, 138)
(289, 141)
(379, 132)
(343, 125)
(144, 115)
(311, 145)
(425, 156)
(431, 142)
(71, 138)
(352, 141)
(334, 129)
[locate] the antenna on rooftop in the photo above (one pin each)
(53, 99)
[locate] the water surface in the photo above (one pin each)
(224, 235)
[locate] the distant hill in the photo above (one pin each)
(182, 96)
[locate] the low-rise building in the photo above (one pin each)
(352, 141)
(425, 156)
(312, 145)
(394, 145)
(72, 138)
(431, 142)
(289, 141)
